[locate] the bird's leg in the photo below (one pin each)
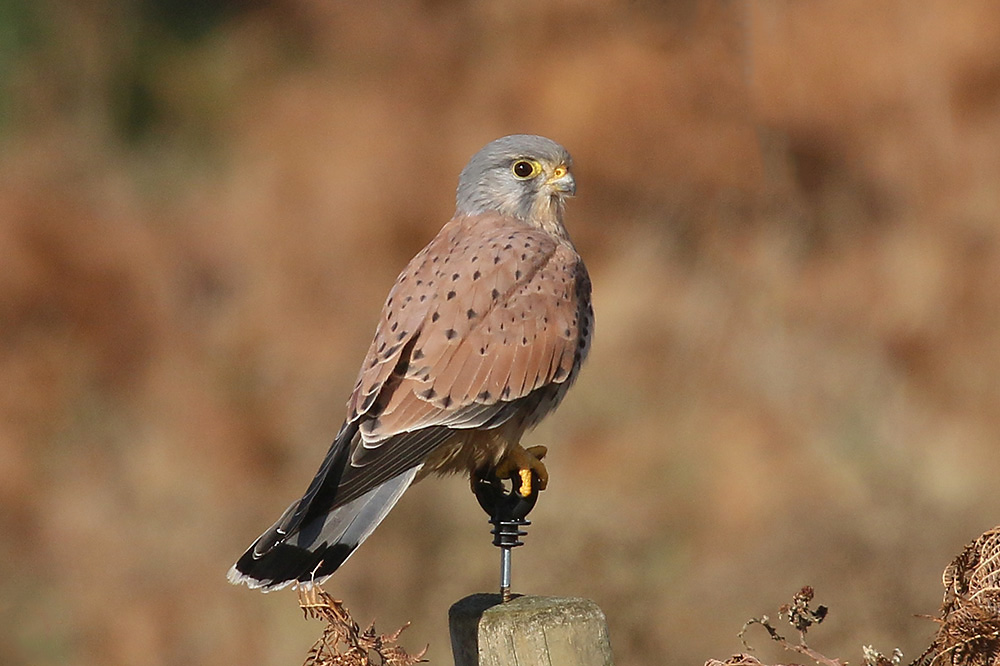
(522, 462)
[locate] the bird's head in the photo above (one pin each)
(522, 175)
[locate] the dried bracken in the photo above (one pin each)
(799, 614)
(801, 617)
(969, 631)
(969, 634)
(343, 643)
(736, 660)
(875, 658)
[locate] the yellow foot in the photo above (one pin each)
(523, 462)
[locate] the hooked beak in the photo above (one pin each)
(562, 181)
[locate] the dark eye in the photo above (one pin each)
(523, 169)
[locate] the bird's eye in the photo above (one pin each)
(523, 169)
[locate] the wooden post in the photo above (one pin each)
(528, 631)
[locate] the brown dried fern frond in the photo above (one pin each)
(969, 632)
(974, 575)
(343, 642)
(799, 615)
(740, 659)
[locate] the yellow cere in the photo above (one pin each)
(560, 171)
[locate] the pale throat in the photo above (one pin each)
(547, 214)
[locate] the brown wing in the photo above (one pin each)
(488, 312)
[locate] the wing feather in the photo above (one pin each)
(488, 320)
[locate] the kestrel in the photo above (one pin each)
(480, 337)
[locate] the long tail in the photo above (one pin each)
(311, 540)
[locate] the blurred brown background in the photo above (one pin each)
(790, 214)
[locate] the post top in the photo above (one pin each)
(528, 629)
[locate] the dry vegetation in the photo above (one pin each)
(790, 214)
(969, 622)
(969, 632)
(343, 643)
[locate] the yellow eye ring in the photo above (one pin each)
(525, 169)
